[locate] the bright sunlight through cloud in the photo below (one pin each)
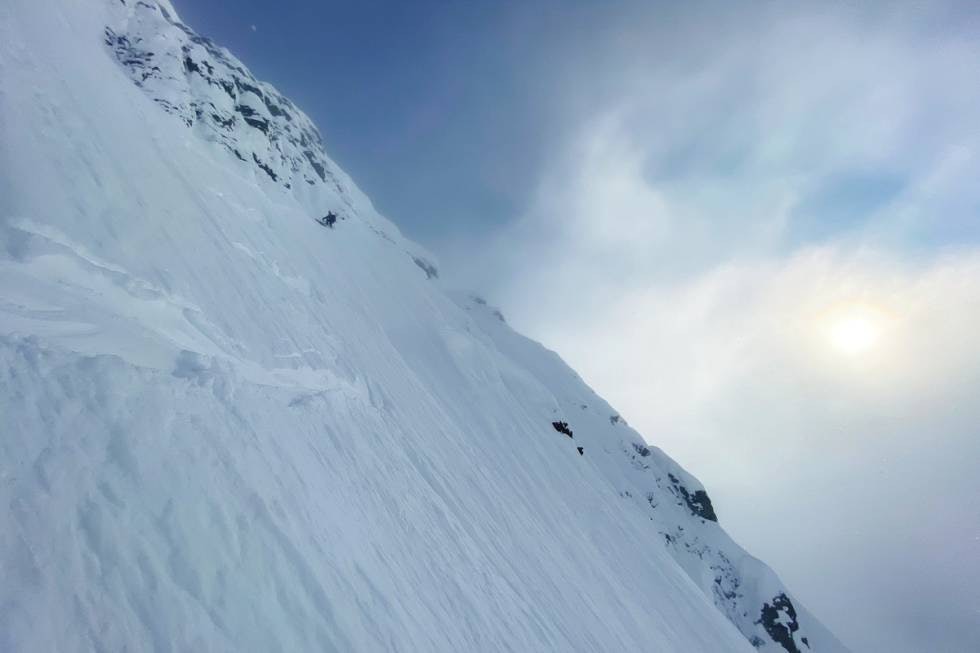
(855, 330)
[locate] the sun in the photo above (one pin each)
(854, 334)
(855, 329)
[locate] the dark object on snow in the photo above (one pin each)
(779, 620)
(562, 427)
(643, 450)
(431, 272)
(581, 451)
(698, 503)
(328, 220)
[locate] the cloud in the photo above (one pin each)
(725, 180)
(854, 476)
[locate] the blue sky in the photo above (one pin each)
(424, 103)
(448, 112)
(687, 201)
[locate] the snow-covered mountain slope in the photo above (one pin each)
(227, 427)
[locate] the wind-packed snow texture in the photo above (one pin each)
(226, 427)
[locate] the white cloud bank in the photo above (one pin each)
(854, 475)
(731, 178)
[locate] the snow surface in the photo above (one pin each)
(226, 427)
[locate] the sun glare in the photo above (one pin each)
(855, 329)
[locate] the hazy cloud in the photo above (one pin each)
(728, 180)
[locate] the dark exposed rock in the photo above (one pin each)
(641, 449)
(252, 117)
(172, 73)
(431, 272)
(189, 65)
(581, 451)
(779, 620)
(320, 171)
(243, 86)
(227, 87)
(265, 167)
(699, 503)
(227, 123)
(562, 427)
(274, 109)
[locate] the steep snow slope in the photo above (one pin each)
(226, 427)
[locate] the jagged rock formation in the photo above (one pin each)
(208, 89)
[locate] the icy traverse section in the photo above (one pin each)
(229, 428)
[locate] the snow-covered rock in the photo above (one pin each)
(227, 427)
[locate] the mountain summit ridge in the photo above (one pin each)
(231, 428)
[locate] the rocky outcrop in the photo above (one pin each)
(210, 91)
